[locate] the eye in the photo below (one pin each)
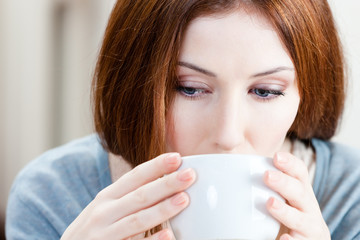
(266, 93)
(191, 92)
(188, 90)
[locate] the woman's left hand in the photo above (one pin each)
(300, 213)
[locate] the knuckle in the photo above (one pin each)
(298, 223)
(164, 209)
(300, 199)
(135, 170)
(95, 235)
(136, 222)
(287, 183)
(97, 215)
(303, 170)
(140, 196)
(285, 180)
(169, 183)
(160, 161)
(101, 196)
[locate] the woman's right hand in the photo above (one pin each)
(138, 201)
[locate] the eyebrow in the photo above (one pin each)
(197, 68)
(211, 74)
(272, 71)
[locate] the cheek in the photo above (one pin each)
(170, 134)
(272, 128)
(173, 133)
(182, 131)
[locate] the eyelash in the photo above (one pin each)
(183, 91)
(189, 92)
(273, 93)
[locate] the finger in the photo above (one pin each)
(164, 234)
(294, 191)
(150, 217)
(143, 173)
(292, 166)
(287, 215)
(152, 193)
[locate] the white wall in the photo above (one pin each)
(347, 14)
(25, 92)
(47, 54)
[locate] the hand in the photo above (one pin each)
(138, 201)
(301, 213)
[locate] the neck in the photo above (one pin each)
(118, 166)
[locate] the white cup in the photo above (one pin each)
(228, 199)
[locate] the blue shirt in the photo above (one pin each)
(51, 191)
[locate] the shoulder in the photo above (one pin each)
(336, 187)
(55, 187)
(336, 164)
(79, 159)
(336, 158)
(336, 151)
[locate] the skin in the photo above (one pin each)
(228, 106)
(236, 93)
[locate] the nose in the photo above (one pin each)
(230, 130)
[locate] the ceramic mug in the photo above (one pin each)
(228, 199)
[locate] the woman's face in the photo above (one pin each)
(237, 91)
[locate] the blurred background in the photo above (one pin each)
(48, 51)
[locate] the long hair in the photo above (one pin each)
(135, 76)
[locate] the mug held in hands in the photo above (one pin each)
(228, 199)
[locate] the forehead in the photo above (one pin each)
(241, 38)
(234, 22)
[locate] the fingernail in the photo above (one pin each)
(165, 235)
(172, 158)
(273, 176)
(179, 199)
(276, 204)
(186, 175)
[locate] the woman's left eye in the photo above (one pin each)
(266, 93)
(188, 90)
(191, 92)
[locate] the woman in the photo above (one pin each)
(178, 78)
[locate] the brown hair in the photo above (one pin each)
(135, 76)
